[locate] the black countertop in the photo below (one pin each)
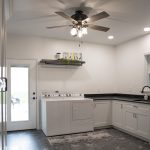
(119, 97)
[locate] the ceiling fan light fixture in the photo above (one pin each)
(84, 30)
(80, 22)
(73, 31)
(146, 29)
(110, 37)
(80, 34)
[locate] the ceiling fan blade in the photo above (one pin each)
(61, 1)
(99, 4)
(57, 26)
(62, 14)
(99, 28)
(97, 17)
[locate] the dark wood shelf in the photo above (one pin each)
(63, 62)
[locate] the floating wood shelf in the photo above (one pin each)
(62, 62)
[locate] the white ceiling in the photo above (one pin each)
(127, 18)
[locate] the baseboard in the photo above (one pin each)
(132, 134)
(103, 127)
(122, 130)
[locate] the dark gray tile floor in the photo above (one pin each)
(36, 140)
(27, 140)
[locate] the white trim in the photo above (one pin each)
(37, 100)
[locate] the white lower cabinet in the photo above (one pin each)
(102, 113)
(55, 117)
(66, 116)
(137, 119)
(117, 113)
(132, 117)
(143, 127)
(81, 119)
(130, 121)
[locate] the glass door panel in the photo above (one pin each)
(19, 94)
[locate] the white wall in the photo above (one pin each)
(96, 76)
(131, 66)
(104, 64)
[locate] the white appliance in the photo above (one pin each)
(66, 113)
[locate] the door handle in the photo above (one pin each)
(3, 84)
(34, 96)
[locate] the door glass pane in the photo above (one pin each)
(19, 93)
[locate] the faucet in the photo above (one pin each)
(146, 86)
(146, 94)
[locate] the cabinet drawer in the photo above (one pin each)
(138, 108)
(131, 108)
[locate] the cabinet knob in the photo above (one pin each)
(134, 115)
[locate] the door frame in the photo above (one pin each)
(36, 82)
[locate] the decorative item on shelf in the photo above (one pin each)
(80, 56)
(75, 56)
(58, 56)
(65, 55)
(72, 56)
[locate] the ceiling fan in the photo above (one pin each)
(81, 21)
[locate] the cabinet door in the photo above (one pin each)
(82, 116)
(117, 115)
(58, 117)
(102, 113)
(130, 121)
(137, 119)
(143, 125)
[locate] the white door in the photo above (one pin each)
(21, 94)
